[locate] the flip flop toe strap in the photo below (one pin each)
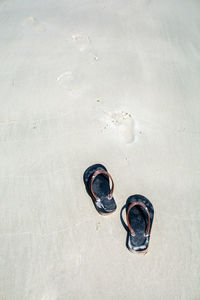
(98, 172)
(128, 221)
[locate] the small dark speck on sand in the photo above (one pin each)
(97, 226)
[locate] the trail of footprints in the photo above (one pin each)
(120, 120)
(83, 43)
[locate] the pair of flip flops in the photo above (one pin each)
(139, 210)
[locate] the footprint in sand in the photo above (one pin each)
(81, 41)
(72, 83)
(124, 122)
(66, 80)
(84, 44)
(33, 24)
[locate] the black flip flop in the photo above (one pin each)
(96, 179)
(139, 214)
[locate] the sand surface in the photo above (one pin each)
(111, 82)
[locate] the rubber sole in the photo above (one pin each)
(138, 252)
(105, 214)
(139, 221)
(101, 188)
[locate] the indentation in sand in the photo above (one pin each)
(84, 44)
(66, 79)
(124, 123)
(34, 24)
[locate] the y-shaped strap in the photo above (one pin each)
(127, 216)
(98, 172)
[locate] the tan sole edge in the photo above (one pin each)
(139, 252)
(106, 214)
(142, 252)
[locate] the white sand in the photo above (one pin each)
(115, 82)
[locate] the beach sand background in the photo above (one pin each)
(111, 82)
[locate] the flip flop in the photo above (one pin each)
(139, 215)
(96, 179)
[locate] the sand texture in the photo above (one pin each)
(113, 82)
